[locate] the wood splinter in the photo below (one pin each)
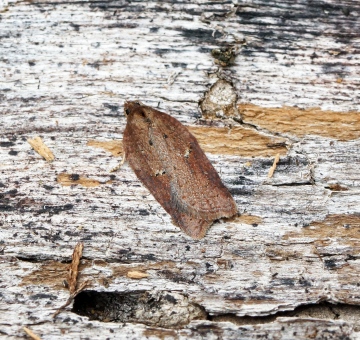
(273, 167)
(116, 168)
(31, 334)
(39, 146)
(74, 267)
(137, 275)
(72, 277)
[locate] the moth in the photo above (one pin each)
(168, 160)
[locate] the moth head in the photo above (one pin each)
(131, 106)
(136, 111)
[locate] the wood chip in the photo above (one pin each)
(272, 169)
(113, 146)
(38, 145)
(74, 179)
(134, 274)
(31, 334)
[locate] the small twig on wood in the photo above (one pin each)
(72, 277)
(31, 334)
(39, 146)
(272, 169)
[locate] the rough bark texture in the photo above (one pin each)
(288, 267)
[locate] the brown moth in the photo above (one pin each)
(168, 160)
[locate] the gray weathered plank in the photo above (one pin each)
(66, 70)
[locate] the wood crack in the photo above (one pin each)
(322, 310)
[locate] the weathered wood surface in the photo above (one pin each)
(288, 267)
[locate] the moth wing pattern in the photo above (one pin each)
(168, 160)
(142, 161)
(195, 185)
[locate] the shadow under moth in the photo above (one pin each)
(168, 160)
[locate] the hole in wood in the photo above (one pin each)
(161, 309)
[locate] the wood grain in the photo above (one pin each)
(66, 70)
